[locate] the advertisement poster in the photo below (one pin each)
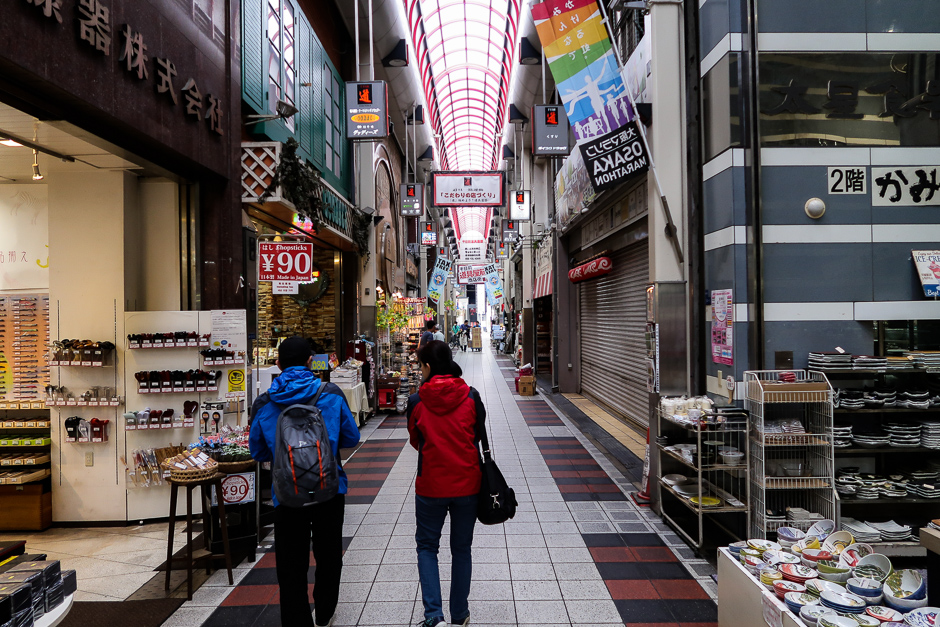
(928, 268)
(24, 240)
(722, 327)
(468, 189)
(438, 279)
(494, 284)
(615, 158)
(471, 274)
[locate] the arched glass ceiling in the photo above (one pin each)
(465, 50)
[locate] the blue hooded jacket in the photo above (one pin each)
(297, 385)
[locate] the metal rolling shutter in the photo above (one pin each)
(613, 324)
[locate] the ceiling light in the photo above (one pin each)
(508, 153)
(516, 116)
(528, 54)
(10, 143)
(37, 175)
(398, 57)
(427, 155)
(417, 117)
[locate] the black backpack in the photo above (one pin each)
(304, 471)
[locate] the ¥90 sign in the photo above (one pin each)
(285, 261)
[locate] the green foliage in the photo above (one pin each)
(299, 182)
(392, 318)
(361, 229)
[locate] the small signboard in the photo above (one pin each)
(412, 199)
(237, 488)
(502, 250)
(285, 287)
(471, 274)
(549, 131)
(510, 230)
(468, 189)
(428, 234)
(520, 207)
(366, 110)
(928, 268)
(615, 158)
(320, 363)
(285, 261)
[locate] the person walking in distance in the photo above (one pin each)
(445, 418)
(428, 334)
(322, 522)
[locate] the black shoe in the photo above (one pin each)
(461, 623)
(433, 622)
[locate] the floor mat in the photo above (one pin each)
(150, 613)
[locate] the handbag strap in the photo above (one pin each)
(481, 429)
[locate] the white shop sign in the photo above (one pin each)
(905, 187)
(468, 189)
(848, 180)
(285, 287)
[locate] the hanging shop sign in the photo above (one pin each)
(928, 268)
(723, 327)
(285, 261)
(615, 158)
(412, 199)
(501, 250)
(582, 61)
(520, 206)
(494, 284)
(471, 274)
(428, 234)
(472, 249)
(854, 99)
(543, 268)
(366, 110)
(591, 270)
(438, 279)
(509, 230)
(468, 189)
(549, 131)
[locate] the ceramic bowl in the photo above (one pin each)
(836, 542)
(903, 585)
(864, 587)
(811, 613)
(817, 555)
(799, 599)
(809, 542)
(782, 587)
(851, 554)
(879, 561)
(790, 534)
(832, 567)
(821, 529)
(780, 557)
(818, 586)
(904, 605)
(797, 572)
(923, 617)
(761, 545)
(883, 613)
(834, 620)
(732, 458)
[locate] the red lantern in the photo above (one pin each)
(591, 270)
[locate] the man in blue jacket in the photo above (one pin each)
(295, 528)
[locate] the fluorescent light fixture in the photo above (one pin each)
(10, 143)
(398, 57)
(528, 54)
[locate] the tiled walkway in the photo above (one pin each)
(578, 552)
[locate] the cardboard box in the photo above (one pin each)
(526, 386)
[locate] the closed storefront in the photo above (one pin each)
(613, 322)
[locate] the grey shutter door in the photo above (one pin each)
(253, 37)
(613, 324)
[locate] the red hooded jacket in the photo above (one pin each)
(444, 419)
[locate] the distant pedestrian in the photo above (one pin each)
(445, 419)
(428, 334)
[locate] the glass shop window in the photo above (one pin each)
(721, 107)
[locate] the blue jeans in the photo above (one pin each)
(429, 516)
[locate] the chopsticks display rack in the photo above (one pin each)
(717, 485)
(791, 449)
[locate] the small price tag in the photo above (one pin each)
(773, 615)
(87, 364)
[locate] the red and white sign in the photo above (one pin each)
(543, 285)
(471, 274)
(469, 189)
(239, 488)
(591, 270)
(285, 261)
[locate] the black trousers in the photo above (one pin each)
(294, 531)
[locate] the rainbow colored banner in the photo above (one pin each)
(582, 61)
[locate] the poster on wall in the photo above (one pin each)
(722, 327)
(438, 279)
(468, 189)
(24, 238)
(928, 268)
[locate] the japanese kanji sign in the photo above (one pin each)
(614, 158)
(549, 131)
(928, 268)
(494, 284)
(412, 199)
(468, 189)
(851, 180)
(285, 261)
(470, 274)
(520, 206)
(581, 58)
(905, 187)
(366, 111)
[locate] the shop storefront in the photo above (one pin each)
(120, 218)
(543, 313)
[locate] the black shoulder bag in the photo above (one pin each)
(496, 502)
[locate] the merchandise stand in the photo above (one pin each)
(743, 601)
(791, 453)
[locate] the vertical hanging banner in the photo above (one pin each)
(494, 284)
(438, 279)
(582, 61)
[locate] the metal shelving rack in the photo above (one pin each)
(712, 478)
(789, 469)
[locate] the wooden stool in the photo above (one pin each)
(205, 484)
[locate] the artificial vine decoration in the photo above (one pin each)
(300, 184)
(361, 230)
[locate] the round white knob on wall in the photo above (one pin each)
(815, 208)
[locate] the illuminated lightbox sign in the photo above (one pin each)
(412, 199)
(510, 230)
(549, 131)
(520, 208)
(366, 110)
(468, 189)
(428, 234)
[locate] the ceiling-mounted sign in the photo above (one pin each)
(510, 230)
(285, 261)
(468, 189)
(428, 234)
(366, 110)
(549, 131)
(443, 251)
(502, 250)
(520, 207)
(471, 274)
(412, 199)
(614, 158)
(928, 268)
(591, 270)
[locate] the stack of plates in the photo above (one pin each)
(903, 434)
(925, 359)
(919, 490)
(869, 490)
(851, 399)
(928, 476)
(935, 524)
(843, 602)
(861, 531)
(706, 502)
(798, 572)
(892, 531)
(842, 435)
(871, 439)
(914, 399)
(829, 360)
(900, 363)
(930, 434)
(889, 396)
(868, 362)
(884, 614)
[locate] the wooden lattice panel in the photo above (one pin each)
(259, 160)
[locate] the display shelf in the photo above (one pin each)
(790, 439)
(708, 492)
(30, 425)
(910, 548)
(797, 483)
(889, 501)
(705, 467)
(884, 450)
(853, 371)
(24, 404)
(887, 410)
(25, 461)
(37, 475)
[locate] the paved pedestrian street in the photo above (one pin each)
(578, 552)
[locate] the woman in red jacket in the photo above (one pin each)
(444, 420)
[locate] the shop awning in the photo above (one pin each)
(543, 285)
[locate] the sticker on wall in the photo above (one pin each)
(722, 327)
